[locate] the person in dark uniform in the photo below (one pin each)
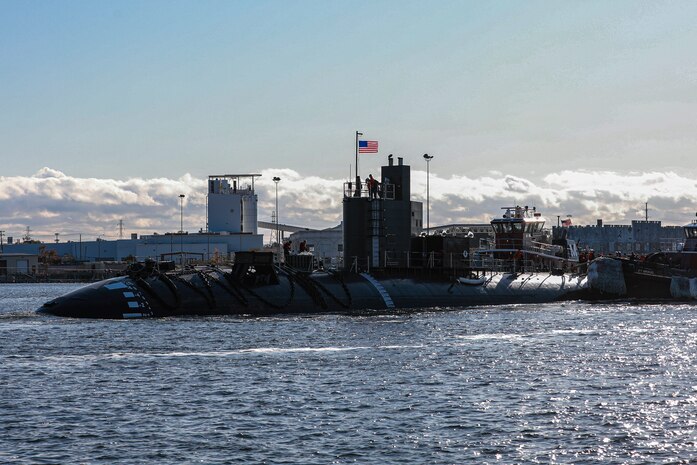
(372, 187)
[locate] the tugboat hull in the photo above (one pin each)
(615, 278)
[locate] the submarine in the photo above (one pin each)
(388, 266)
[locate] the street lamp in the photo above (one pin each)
(428, 159)
(276, 179)
(181, 229)
(181, 213)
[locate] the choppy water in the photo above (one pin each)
(572, 383)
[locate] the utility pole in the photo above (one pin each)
(276, 179)
(1, 233)
(647, 211)
(181, 230)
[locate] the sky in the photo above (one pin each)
(110, 110)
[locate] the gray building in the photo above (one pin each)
(417, 218)
(640, 237)
(325, 244)
(18, 263)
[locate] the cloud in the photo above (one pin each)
(51, 201)
(586, 195)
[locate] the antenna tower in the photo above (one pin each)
(274, 232)
(120, 229)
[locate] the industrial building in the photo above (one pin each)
(641, 237)
(231, 227)
(17, 263)
(327, 245)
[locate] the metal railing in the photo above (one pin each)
(546, 249)
(455, 262)
(540, 248)
(385, 191)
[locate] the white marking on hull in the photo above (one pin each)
(381, 290)
(115, 286)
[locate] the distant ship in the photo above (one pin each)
(386, 267)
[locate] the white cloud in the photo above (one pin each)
(586, 195)
(51, 201)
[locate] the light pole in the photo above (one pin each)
(181, 229)
(428, 159)
(276, 179)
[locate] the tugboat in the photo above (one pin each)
(659, 275)
(387, 266)
(520, 241)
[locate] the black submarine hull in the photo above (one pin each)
(215, 292)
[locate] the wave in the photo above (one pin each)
(484, 337)
(70, 358)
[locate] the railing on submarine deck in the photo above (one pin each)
(454, 263)
(639, 265)
(385, 191)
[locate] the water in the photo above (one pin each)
(556, 383)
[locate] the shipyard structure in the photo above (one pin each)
(231, 227)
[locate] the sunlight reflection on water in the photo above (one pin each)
(557, 383)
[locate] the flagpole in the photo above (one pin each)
(358, 176)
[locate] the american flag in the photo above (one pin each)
(367, 146)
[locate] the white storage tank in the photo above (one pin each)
(249, 213)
